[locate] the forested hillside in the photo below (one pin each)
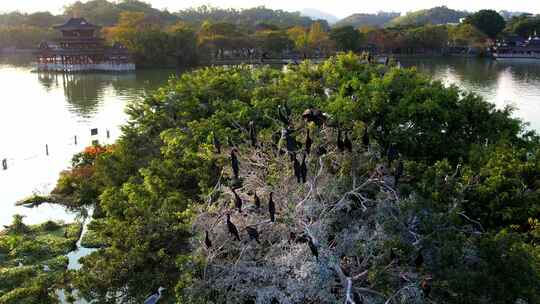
(318, 184)
(436, 15)
(359, 20)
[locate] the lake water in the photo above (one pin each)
(43, 109)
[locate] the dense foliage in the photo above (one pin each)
(375, 20)
(434, 16)
(487, 21)
(32, 260)
(467, 202)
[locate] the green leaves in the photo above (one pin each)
(151, 182)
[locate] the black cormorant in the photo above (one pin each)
(296, 167)
(419, 261)
(237, 201)
(426, 286)
(234, 163)
(253, 234)
(283, 114)
(393, 255)
(207, 241)
(272, 207)
(232, 228)
(292, 237)
(398, 173)
(347, 142)
(356, 298)
(321, 150)
(217, 144)
(340, 144)
(303, 169)
(313, 248)
(392, 154)
(365, 138)
(256, 200)
(291, 143)
(309, 142)
(252, 134)
(314, 115)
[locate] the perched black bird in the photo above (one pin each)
(272, 208)
(393, 255)
(314, 115)
(217, 144)
(257, 200)
(392, 154)
(303, 170)
(398, 173)
(252, 134)
(347, 143)
(232, 228)
(237, 201)
(419, 261)
(283, 114)
(313, 248)
(309, 142)
(348, 91)
(207, 241)
(365, 138)
(303, 238)
(292, 236)
(426, 286)
(356, 298)
(296, 167)
(340, 144)
(291, 143)
(234, 163)
(253, 234)
(321, 150)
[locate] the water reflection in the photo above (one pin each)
(50, 109)
(41, 109)
(84, 92)
(503, 83)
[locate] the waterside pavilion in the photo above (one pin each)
(79, 50)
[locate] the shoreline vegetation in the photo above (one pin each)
(207, 34)
(408, 191)
(33, 260)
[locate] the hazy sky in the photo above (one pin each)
(340, 8)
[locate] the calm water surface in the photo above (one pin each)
(45, 109)
(39, 109)
(515, 84)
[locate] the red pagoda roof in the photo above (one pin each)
(76, 24)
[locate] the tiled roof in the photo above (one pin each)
(76, 23)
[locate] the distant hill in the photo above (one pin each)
(359, 20)
(436, 15)
(508, 15)
(317, 14)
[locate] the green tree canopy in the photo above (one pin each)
(347, 38)
(489, 22)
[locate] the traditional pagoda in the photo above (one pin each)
(80, 50)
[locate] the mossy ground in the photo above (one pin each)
(91, 239)
(33, 260)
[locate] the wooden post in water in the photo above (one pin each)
(108, 134)
(75, 137)
(4, 164)
(47, 149)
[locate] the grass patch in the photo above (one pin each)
(91, 239)
(33, 261)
